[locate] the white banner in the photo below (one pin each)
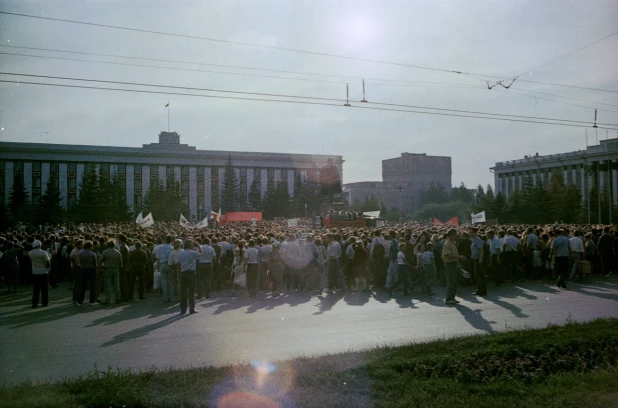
(480, 217)
(185, 223)
(372, 213)
(202, 224)
(253, 222)
(139, 219)
(293, 222)
(147, 221)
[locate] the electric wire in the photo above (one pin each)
(296, 102)
(288, 96)
(317, 53)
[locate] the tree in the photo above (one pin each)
(18, 197)
(51, 209)
(230, 190)
(461, 194)
(436, 193)
(118, 202)
(276, 201)
(88, 203)
(556, 191)
(255, 196)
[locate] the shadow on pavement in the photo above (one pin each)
(327, 302)
(475, 318)
(142, 331)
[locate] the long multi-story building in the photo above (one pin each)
(595, 166)
(199, 172)
(404, 178)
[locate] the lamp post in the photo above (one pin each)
(400, 189)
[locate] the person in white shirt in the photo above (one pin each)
(251, 257)
(174, 269)
(402, 272)
(577, 254)
(41, 263)
(187, 260)
(267, 249)
(205, 268)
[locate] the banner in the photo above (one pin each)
(202, 224)
(139, 219)
(372, 214)
(480, 217)
(185, 223)
(453, 221)
(293, 222)
(253, 222)
(147, 221)
(241, 216)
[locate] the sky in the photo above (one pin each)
(498, 38)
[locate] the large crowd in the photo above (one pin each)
(118, 263)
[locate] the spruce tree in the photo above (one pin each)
(230, 189)
(18, 197)
(50, 210)
(88, 207)
(255, 196)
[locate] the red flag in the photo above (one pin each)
(453, 221)
(437, 222)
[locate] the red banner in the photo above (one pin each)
(453, 221)
(241, 216)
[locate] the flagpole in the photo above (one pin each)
(168, 116)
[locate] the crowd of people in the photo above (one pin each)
(115, 262)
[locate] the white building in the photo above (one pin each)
(200, 172)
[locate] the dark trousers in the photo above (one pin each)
(187, 290)
(77, 283)
(496, 269)
(335, 279)
(137, 271)
(122, 279)
(88, 280)
(561, 266)
(479, 277)
(204, 279)
(39, 288)
(510, 264)
(252, 273)
(451, 272)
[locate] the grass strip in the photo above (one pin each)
(573, 365)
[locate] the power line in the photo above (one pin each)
(409, 84)
(515, 92)
(323, 54)
(210, 65)
(570, 53)
(288, 96)
(297, 102)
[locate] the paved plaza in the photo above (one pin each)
(62, 340)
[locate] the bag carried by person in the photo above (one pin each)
(241, 280)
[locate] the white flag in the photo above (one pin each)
(202, 224)
(293, 222)
(372, 214)
(480, 217)
(219, 216)
(253, 222)
(139, 219)
(147, 221)
(185, 223)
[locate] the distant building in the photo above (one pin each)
(597, 165)
(200, 172)
(403, 179)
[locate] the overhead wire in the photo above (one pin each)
(502, 116)
(317, 53)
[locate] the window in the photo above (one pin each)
(36, 166)
(104, 168)
(184, 172)
(170, 171)
(19, 166)
(36, 182)
(72, 183)
(122, 168)
(71, 167)
(54, 167)
(137, 169)
(137, 202)
(137, 184)
(200, 171)
(36, 198)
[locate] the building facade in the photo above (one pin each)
(199, 172)
(404, 178)
(595, 166)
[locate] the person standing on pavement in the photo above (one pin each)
(561, 250)
(477, 255)
(205, 269)
(606, 250)
(251, 257)
(138, 260)
(126, 271)
(41, 263)
(168, 282)
(76, 271)
(577, 254)
(450, 256)
(495, 249)
(88, 265)
(111, 262)
(333, 252)
(187, 277)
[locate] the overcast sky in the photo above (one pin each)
(502, 38)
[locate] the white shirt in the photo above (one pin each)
(39, 259)
(251, 255)
(511, 243)
(187, 259)
(208, 254)
(401, 258)
(495, 245)
(267, 249)
(576, 244)
(334, 250)
(349, 252)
